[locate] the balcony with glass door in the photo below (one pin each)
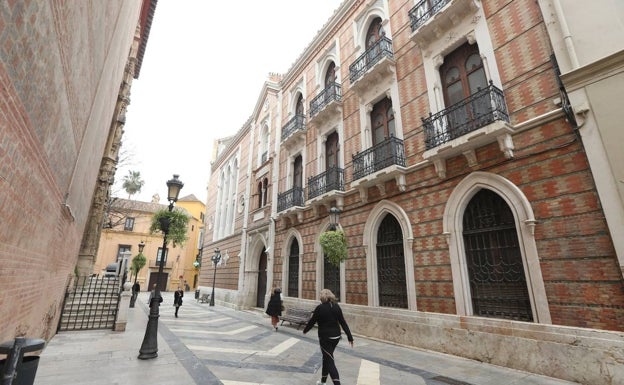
(294, 132)
(327, 104)
(430, 19)
(478, 120)
(374, 65)
(376, 165)
(326, 187)
(291, 203)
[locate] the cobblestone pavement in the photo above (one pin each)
(218, 345)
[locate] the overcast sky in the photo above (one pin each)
(202, 72)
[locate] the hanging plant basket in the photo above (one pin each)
(178, 223)
(334, 244)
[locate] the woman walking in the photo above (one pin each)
(177, 299)
(274, 307)
(329, 317)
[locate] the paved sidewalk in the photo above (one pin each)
(217, 345)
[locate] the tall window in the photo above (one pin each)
(375, 32)
(129, 224)
(391, 264)
(159, 255)
(382, 121)
(121, 250)
(293, 269)
(298, 172)
(330, 75)
(462, 75)
(264, 144)
(299, 108)
(498, 284)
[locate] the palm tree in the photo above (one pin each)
(133, 183)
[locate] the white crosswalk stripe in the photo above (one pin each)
(274, 352)
(213, 332)
(369, 373)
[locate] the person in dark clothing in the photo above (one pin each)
(274, 307)
(177, 300)
(329, 317)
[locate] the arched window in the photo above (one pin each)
(375, 32)
(498, 285)
(382, 121)
(293, 269)
(463, 75)
(330, 75)
(265, 191)
(260, 195)
(299, 107)
(391, 264)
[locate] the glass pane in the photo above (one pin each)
(477, 81)
(455, 93)
(452, 75)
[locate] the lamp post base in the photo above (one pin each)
(149, 347)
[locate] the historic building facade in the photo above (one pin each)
(474, 219)
(127, 225)
(65, 73)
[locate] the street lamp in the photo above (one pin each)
(216, 258)
(135, 293)
(334, 216)
(149, 348)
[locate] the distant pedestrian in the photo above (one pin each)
(153, 295)
(274, 307)
(177, 300)
(329, 317)
(136, 289)
(186, 286)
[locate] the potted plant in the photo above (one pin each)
(334, 244)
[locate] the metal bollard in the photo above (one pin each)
(15, 356)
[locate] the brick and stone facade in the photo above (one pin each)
(61, 69)
(438, 196)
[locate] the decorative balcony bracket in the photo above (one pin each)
(379, 180)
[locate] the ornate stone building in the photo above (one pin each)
(471, 194)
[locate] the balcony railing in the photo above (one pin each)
(382, 48)
(330, 180)
(332, 92)
(423, 11)
(290, 198)
(297, 123)
(385, 154)
(478, 110)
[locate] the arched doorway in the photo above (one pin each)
(498, 285)
(262, 279)
(391, 264)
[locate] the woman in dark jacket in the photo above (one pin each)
(329, 317)
(274, 307)
(177, 299)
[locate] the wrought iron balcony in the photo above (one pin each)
(385, 154)
(478, 110)
(331, 93)
(423, 11)
(373, 55)
(296, 124)
(330, 180)
(290, 198)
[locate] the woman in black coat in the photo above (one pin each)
(274, 307)
(177, 300)
(329, 317)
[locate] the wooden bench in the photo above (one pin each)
(205, 298)
(296, 316)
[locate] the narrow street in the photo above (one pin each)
(219, 345)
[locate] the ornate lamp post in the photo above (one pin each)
(149, 348)
(216, 258)
(136, 275)
(334, 216)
